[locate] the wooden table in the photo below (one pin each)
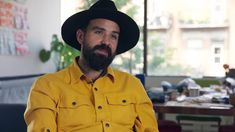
(162, 109)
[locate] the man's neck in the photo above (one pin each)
(88, 72)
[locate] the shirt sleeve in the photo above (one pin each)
(146, 119)
(40, 114)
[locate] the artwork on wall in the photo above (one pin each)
(13, 27)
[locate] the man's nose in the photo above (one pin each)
(106, 40)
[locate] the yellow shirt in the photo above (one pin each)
(67, 101)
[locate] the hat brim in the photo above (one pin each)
(129, 31)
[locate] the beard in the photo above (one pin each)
(97, 61)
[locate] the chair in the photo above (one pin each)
(227, 128)
(163, 125)
(168, 126)
(231, 73)
(141, 77)
(12, 118)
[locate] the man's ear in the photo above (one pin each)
(80, 36)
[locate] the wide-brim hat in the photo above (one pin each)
(129, 31)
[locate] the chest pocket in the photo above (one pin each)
(73, 102)
(122, 107)
(75, 110)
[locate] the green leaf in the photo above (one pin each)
(44, 55)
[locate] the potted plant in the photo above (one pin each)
(63, 53)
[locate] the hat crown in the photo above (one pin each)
(104, 5)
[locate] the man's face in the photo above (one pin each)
(99, 43)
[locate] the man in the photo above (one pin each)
(90, 96)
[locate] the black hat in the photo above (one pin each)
(129, 31)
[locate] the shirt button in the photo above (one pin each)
(107, 125)
(123, 101)
(74, 103)
(99, 107)
(96, 89)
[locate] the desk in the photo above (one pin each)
(218, 111)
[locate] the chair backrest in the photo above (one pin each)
(141, 77)
(12, 118)
(168, 126)
(231, 73)
(227, 128)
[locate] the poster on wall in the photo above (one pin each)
(13, 27)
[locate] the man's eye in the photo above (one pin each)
(98, 32)
(115, 37)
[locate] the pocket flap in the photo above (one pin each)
(120, 99)
(74, 101)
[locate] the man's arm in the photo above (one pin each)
(146, 119)
(40, 114)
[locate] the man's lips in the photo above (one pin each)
(102, 51)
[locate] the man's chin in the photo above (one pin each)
(100, 62)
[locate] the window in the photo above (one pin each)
(217, 50)
(217, 59)
(190, 30)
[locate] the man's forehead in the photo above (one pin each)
(103, 23)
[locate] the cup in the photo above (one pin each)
(193, 91)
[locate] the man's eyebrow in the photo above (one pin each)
(99, 28)
(103, 29)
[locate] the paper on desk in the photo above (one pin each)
(201, 105)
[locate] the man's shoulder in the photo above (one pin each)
(55, 76)
(122, 73)
(119, 74)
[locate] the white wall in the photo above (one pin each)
(44, 20)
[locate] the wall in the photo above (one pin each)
(44, 20)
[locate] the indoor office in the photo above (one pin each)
(183, 58)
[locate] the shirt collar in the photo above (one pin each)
(76, 74)
(110, 73)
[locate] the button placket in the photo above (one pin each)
(96, 95)
(99, 100)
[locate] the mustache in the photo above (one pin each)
(103, 47)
